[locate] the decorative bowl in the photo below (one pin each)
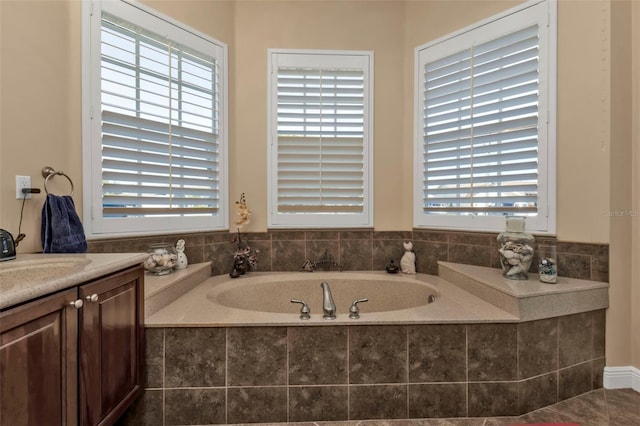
(162, 258)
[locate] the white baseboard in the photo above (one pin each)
(622, 377)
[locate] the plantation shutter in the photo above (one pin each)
(160, 127)
(320, 142)
(480, 131)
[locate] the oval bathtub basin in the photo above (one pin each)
(386, 292)
(264, 299)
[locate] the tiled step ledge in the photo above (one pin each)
(528, 299)
(161, 290)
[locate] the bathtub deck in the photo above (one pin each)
(469, 294)
(530, 299)
(453, 305)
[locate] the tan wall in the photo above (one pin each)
(348, 25)
(40, 105)
(635, 236)
(41, 122)
(620, 271)
(583, 120)
(390, 28)
(583, 62)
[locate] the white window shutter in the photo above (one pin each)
(484, 148)
(160, 120)
(320, 142)
(481, 128)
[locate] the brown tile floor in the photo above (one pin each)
(602, 407)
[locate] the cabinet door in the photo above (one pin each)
(111, 346)
(38, 362)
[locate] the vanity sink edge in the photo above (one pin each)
(34, 275)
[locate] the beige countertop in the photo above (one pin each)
(198, 307)
(159, 291)
(492, 277)
(528, 299)
(466, 294)
(34, 275)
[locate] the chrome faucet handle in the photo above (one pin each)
(305, 312)
(354, 311)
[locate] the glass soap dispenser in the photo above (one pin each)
(515, 249)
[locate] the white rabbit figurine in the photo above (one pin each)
(408, 261)
(182, 258)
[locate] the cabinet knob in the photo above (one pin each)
(92, 298)
(77, 304)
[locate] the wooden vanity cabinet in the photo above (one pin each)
(38, 362)
(64, 364)
(110, 346)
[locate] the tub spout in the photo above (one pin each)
(328, 307)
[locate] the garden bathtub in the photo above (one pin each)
(264, 298)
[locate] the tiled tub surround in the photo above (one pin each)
(214, 375)
(365, 250)
(457, 357)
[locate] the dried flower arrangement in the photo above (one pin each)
(244, 260)
(243, 212)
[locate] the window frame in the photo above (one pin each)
(95, 224)
(324, 219)
(544, 13)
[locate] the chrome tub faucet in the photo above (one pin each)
(305, 312)
(328, 306)
(354, 310)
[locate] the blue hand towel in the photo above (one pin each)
(61, 230)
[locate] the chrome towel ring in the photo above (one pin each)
(48, 172)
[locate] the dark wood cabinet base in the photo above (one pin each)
(65, 364)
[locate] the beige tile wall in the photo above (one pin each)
(365, 250)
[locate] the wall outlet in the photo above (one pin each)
(22, 182)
